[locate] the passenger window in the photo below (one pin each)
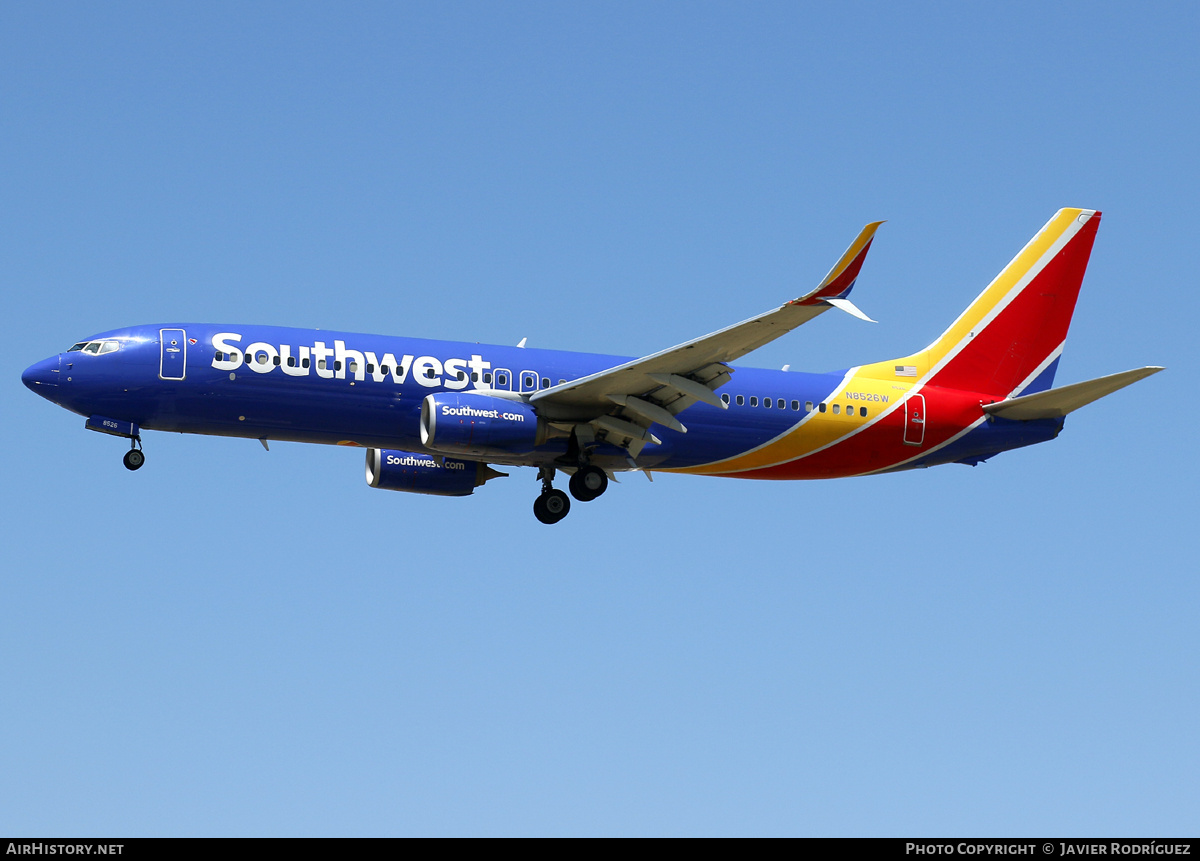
(474, 376)
(821, 408)
(275, 361)
(795, 406)
(753, 401)
(501, 380)
(352, 367)
(741, 400)
(725, 399)
(808, 406)
(304, 362)
(321, 365)
(429, 374)
(370, 367)
(487, 378)
(767, 403)
(862, 411)
(337, 366)
(545, 383)
(560, 382)
(837, 409)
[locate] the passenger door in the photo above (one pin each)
(914, 420)
(172, 363)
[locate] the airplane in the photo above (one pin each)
(437, 417)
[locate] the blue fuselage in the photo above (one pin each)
(318, 386)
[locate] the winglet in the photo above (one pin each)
(840, 280)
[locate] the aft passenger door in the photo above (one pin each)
(914, 420)
(172, 363)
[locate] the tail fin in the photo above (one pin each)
(1008, 341)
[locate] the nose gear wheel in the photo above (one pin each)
(134, 458)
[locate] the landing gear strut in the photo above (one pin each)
(588, 482)
(134, 458)
(552, 505)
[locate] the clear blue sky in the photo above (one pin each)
(237, 642)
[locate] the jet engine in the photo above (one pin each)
(420, 473)
(478, 424)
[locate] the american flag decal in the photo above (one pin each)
(906, 370)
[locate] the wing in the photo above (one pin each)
(622, 402)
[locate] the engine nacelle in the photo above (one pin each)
(421, 473)
(479, 424)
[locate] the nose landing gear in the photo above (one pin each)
(134, 458)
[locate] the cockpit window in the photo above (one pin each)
(96, 347)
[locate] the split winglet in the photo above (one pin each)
(840, 280)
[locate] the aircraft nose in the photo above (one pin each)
(42, 374)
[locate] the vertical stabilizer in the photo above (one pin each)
(1009, 339)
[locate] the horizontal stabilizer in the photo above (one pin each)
(1056, 403)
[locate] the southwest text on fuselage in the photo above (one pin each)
(336, 363)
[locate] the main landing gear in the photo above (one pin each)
(134, 458)
(552, 505)
(588, 482)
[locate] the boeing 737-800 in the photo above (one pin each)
(435, 417)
